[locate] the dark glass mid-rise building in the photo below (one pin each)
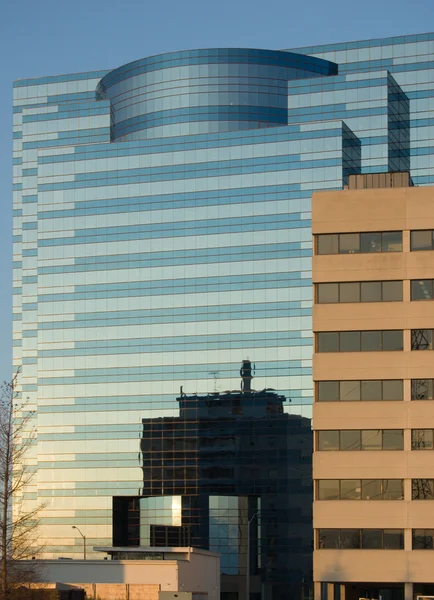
(228, 459)
(162, 233)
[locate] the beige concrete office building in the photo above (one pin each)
(373, 321)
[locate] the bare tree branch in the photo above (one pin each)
(18, 523)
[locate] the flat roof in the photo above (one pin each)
(155, 550)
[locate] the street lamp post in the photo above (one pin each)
(249, 522)
(84, 541)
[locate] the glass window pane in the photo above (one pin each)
(422, 289)
(349, 341)
(328, 538)
(371, 341)
(393, 539)
(349, 243)
(393, 439)
(350, 440)
(371, 390)
(328, 489)
(391, 241)
(349, 390)
(422, 389)
(328, 341)
(327, 293)
(393, 389)
(350, 538)
(370, 242)
(421, 339)
(327, 243)
(392, 291)
(422, 439)
(372, 439)
(421, 240)
(328, 391)
(350, 489)
(372, 539)
(423, 539)
(422, 489)
(393, 489)
(370, 291)
(328, 440)
(392, 341)
(372, 489)
(349, 292)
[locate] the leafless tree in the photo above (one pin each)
(18, 522)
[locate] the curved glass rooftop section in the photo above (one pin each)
(204, 91)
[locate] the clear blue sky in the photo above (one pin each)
(48, 37)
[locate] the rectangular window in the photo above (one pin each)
(353, 243)
(349, 391)
(328, 391)
(359, 291)
(349, 292)
(356, 439)
(422, 389)
(350, 489)
(356, 489)
(422, 339)
(422, 489)
(356, 341)
(423, 539)
(422, 439)
(328, 341)
(327, 243)
(328, 440)
(421, 240)
(367, 539)
(328, 489)
(422, 289)
(349, 440)
(369, 390)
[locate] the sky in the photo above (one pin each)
(50, 37)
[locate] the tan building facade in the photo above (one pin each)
(373, 367)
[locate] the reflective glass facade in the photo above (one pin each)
(162, 235)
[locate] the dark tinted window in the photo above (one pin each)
(423, 539)
(350, 489)
(422, 289)
(349, 390)
(372, 489)
(421, 339)
(391, 241)
(350, 440)
(328, 341)
(392, 341)
(422, 389)
(421, 240)
(370, 291)
(422, 439)
(371, 341)
(327, 293)
(393, 489)
(372, 539)
(422, 489)
(393, 539)
(370, 242)
(349, 292)
(349, 243)
(371, 390)
(372, 439)
(328, 440)
(328, 489)
(391, 291)
(393, 389)
(327, 243)
(393, 439)
(349, 341)
(328, 391)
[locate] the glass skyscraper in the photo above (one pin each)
(162, 235)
